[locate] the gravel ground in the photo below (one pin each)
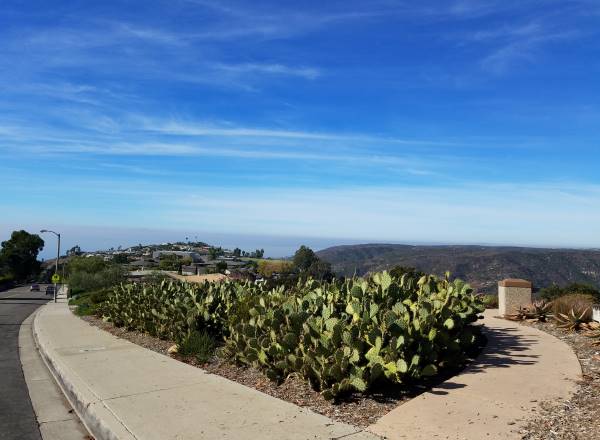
(359, 410)
(579, 417)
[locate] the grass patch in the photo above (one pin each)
(198, 344)
(580, 304)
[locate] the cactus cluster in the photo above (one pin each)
(172, 309)
(341, 336)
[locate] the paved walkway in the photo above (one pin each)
(123, 391)
(520, 367)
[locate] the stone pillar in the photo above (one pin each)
(596, 312)
(512, 294)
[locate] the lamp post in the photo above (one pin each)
(57, 257)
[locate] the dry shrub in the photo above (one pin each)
(577, 302)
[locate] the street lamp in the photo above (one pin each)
(57, 256)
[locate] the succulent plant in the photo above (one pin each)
(341, 336)
(539, 311)
(572, 321)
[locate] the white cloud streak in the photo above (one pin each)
(525, 214)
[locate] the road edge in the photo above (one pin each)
(55, 416)
(87, 407)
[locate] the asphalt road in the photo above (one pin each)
(17, 419)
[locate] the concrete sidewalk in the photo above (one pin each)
(55, 416)
(520, 367)
(123, 391)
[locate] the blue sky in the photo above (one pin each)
(430, 122)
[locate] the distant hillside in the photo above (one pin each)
(482, 266)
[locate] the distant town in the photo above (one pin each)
(195, 261)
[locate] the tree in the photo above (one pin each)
(221, 266)
(121, 259)
(18, 257)
(304, 258)
(74, 251)
(237, 252)
(88, 274)
(169, 262)
(213, 253)
(86, 264)
(399, 271)
(310, 265)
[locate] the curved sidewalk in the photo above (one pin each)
(123, 391)
(520, 367)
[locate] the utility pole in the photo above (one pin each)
(57, 259)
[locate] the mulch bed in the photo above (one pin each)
(357, 410)
(578, 417)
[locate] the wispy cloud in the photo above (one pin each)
(271, 69)
(518, 44)
(202, 129)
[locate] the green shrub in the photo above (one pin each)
(490, 301)
(341, 336)
(199, 344)
(81, 281)
(554, 291)
(90, 303)
(579, 304)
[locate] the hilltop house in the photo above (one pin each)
(194, 256)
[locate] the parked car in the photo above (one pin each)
(34, 288)
(50, 290)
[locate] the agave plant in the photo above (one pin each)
(540, 311)
(573, 321)
(592, 330)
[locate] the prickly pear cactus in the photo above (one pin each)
(342, 337)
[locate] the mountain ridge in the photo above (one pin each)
(481, 265)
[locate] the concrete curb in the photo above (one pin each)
(124, 391)
(98, 420)
(55, 416)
